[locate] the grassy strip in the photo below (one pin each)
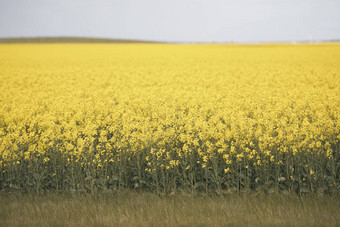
(148, 209)
(68, 40)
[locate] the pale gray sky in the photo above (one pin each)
(174, 20)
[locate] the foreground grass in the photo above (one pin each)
(144, 209)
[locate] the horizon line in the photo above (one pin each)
(85, 39)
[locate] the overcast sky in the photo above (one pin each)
(174, 20)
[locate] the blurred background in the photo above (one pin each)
(185, 21)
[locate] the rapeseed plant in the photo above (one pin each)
(167, 117)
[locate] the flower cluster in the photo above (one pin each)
(167, 117)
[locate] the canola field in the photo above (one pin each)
(167, 117)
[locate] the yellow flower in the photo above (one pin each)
(104, 109)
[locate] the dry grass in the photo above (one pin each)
(144, 209)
